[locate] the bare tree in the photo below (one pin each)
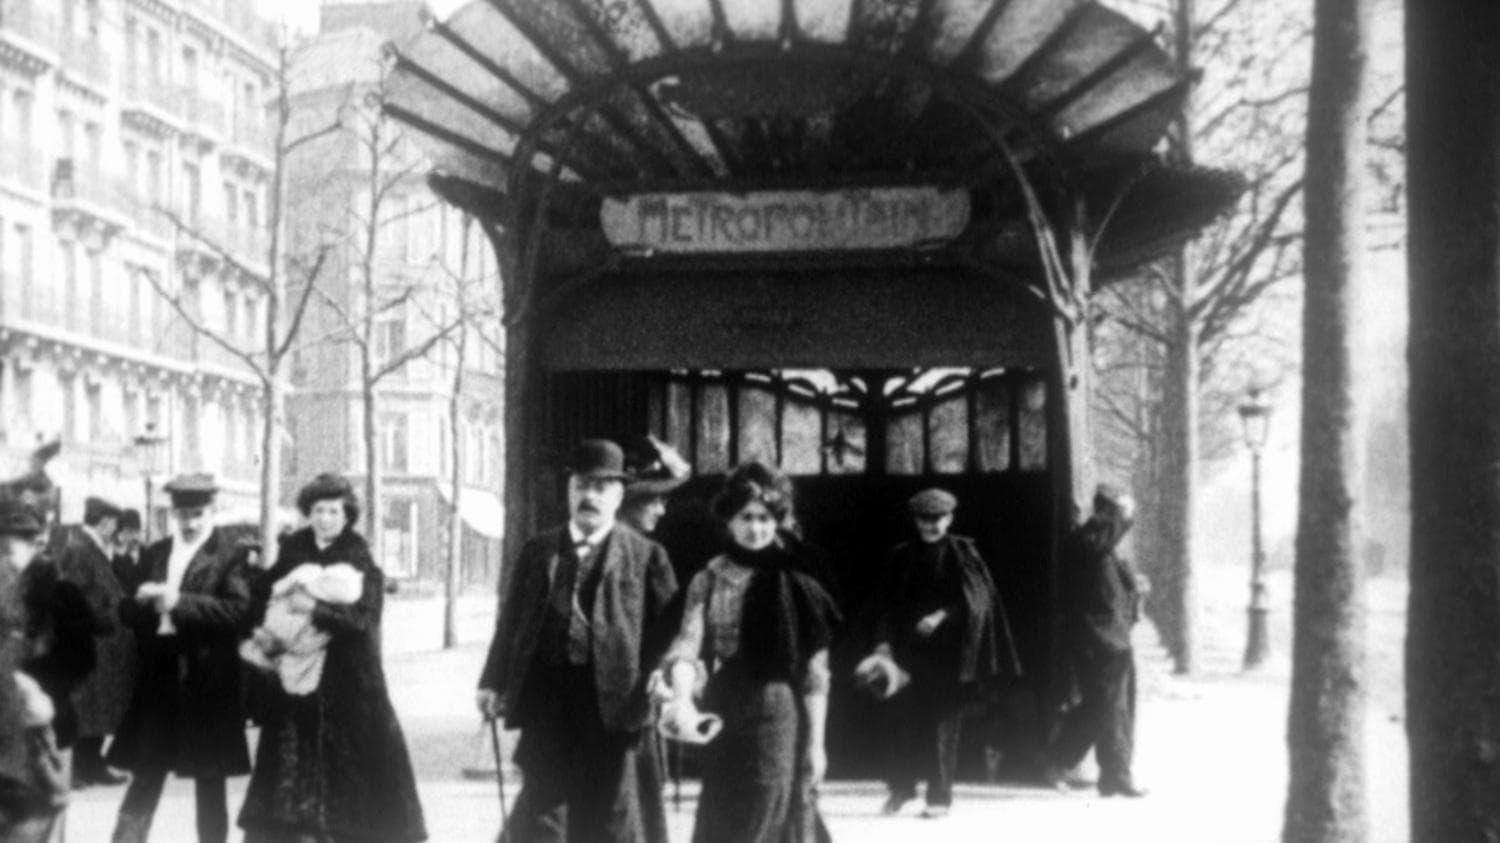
(286, 284)
(1453, 628)
(1187, 323)
(1325, 730)
(386, 168)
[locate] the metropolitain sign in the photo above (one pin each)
(785, 220)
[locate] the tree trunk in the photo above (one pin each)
(1179, 487)
(372, 456)
(1453, 626)
(455, 519)
(1325, 732)
(270, 463)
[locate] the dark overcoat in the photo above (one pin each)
(1103, 600)
(334, 763)
(104, 694)
(629, 622)
(59, 648)
(186, 714)
(984, 647)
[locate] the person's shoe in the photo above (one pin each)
(108, 777)
(1125, 789)
(1055, 778)
(893, 805)
(935, 812)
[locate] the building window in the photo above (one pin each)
(69, 408)
(94, 395)
(392, 431)
(231, 316)
(23, 399)
(398, 537)
(390, 339)
(252, 318)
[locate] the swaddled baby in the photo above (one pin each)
(287, 642)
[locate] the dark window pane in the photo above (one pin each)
(948, 430)
(680, 418)
(904, 444)
(757, 425)
(713, 429)
(853, 456)
(993, 407)
(1033, 425)
(800, 429)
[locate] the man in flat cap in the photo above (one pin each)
(185, 716)
(941, 619)
(85, 561)
(581, 626)
(127, 552)
(1101, 603)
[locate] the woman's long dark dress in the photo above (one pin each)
(333, 765)
(757, 786)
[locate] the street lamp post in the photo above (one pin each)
(148, 445)
(1255, 415)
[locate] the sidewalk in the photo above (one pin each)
(1212, 751)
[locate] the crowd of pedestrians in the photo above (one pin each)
(122, 662)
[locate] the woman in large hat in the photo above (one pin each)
(332, 763)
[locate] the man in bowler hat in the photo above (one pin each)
(941, 619)
(85, 561)
(185, 716)
(1101, 604)
(581, 627)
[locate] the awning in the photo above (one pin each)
(481, 509)
(602, 97)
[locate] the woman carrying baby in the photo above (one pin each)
(754, 638)
(332, 764)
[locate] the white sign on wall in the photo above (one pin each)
(785, 220)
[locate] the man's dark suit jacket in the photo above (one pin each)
(629, 625)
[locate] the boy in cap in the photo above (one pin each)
(1101, 605)
(127, 552)
(85, 561)
(185, 716)
(582, 624)
(941, 619)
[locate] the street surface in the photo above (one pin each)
(1211, 749)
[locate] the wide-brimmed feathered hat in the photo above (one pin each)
(656, 468)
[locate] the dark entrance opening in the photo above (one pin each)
(857, 443)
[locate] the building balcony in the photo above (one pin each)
(30, 38)
(22, 165)
(86, 60)
(237, 17)
(207, 240)
(201, 115)
(251, 144)
(95, 204)
(150, 104)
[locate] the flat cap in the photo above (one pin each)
(932, 502)
(18, 519)
(189, 490)
(130, 519)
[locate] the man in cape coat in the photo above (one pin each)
(940, 620)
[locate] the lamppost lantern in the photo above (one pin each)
(149, 445)
(1255, 416)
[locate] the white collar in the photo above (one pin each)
(594, 539)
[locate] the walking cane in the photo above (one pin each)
(499, 773)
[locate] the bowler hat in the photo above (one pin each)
(18, 519)
(598, 459)
(192, 490)
(932, 503)
(97, 509)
